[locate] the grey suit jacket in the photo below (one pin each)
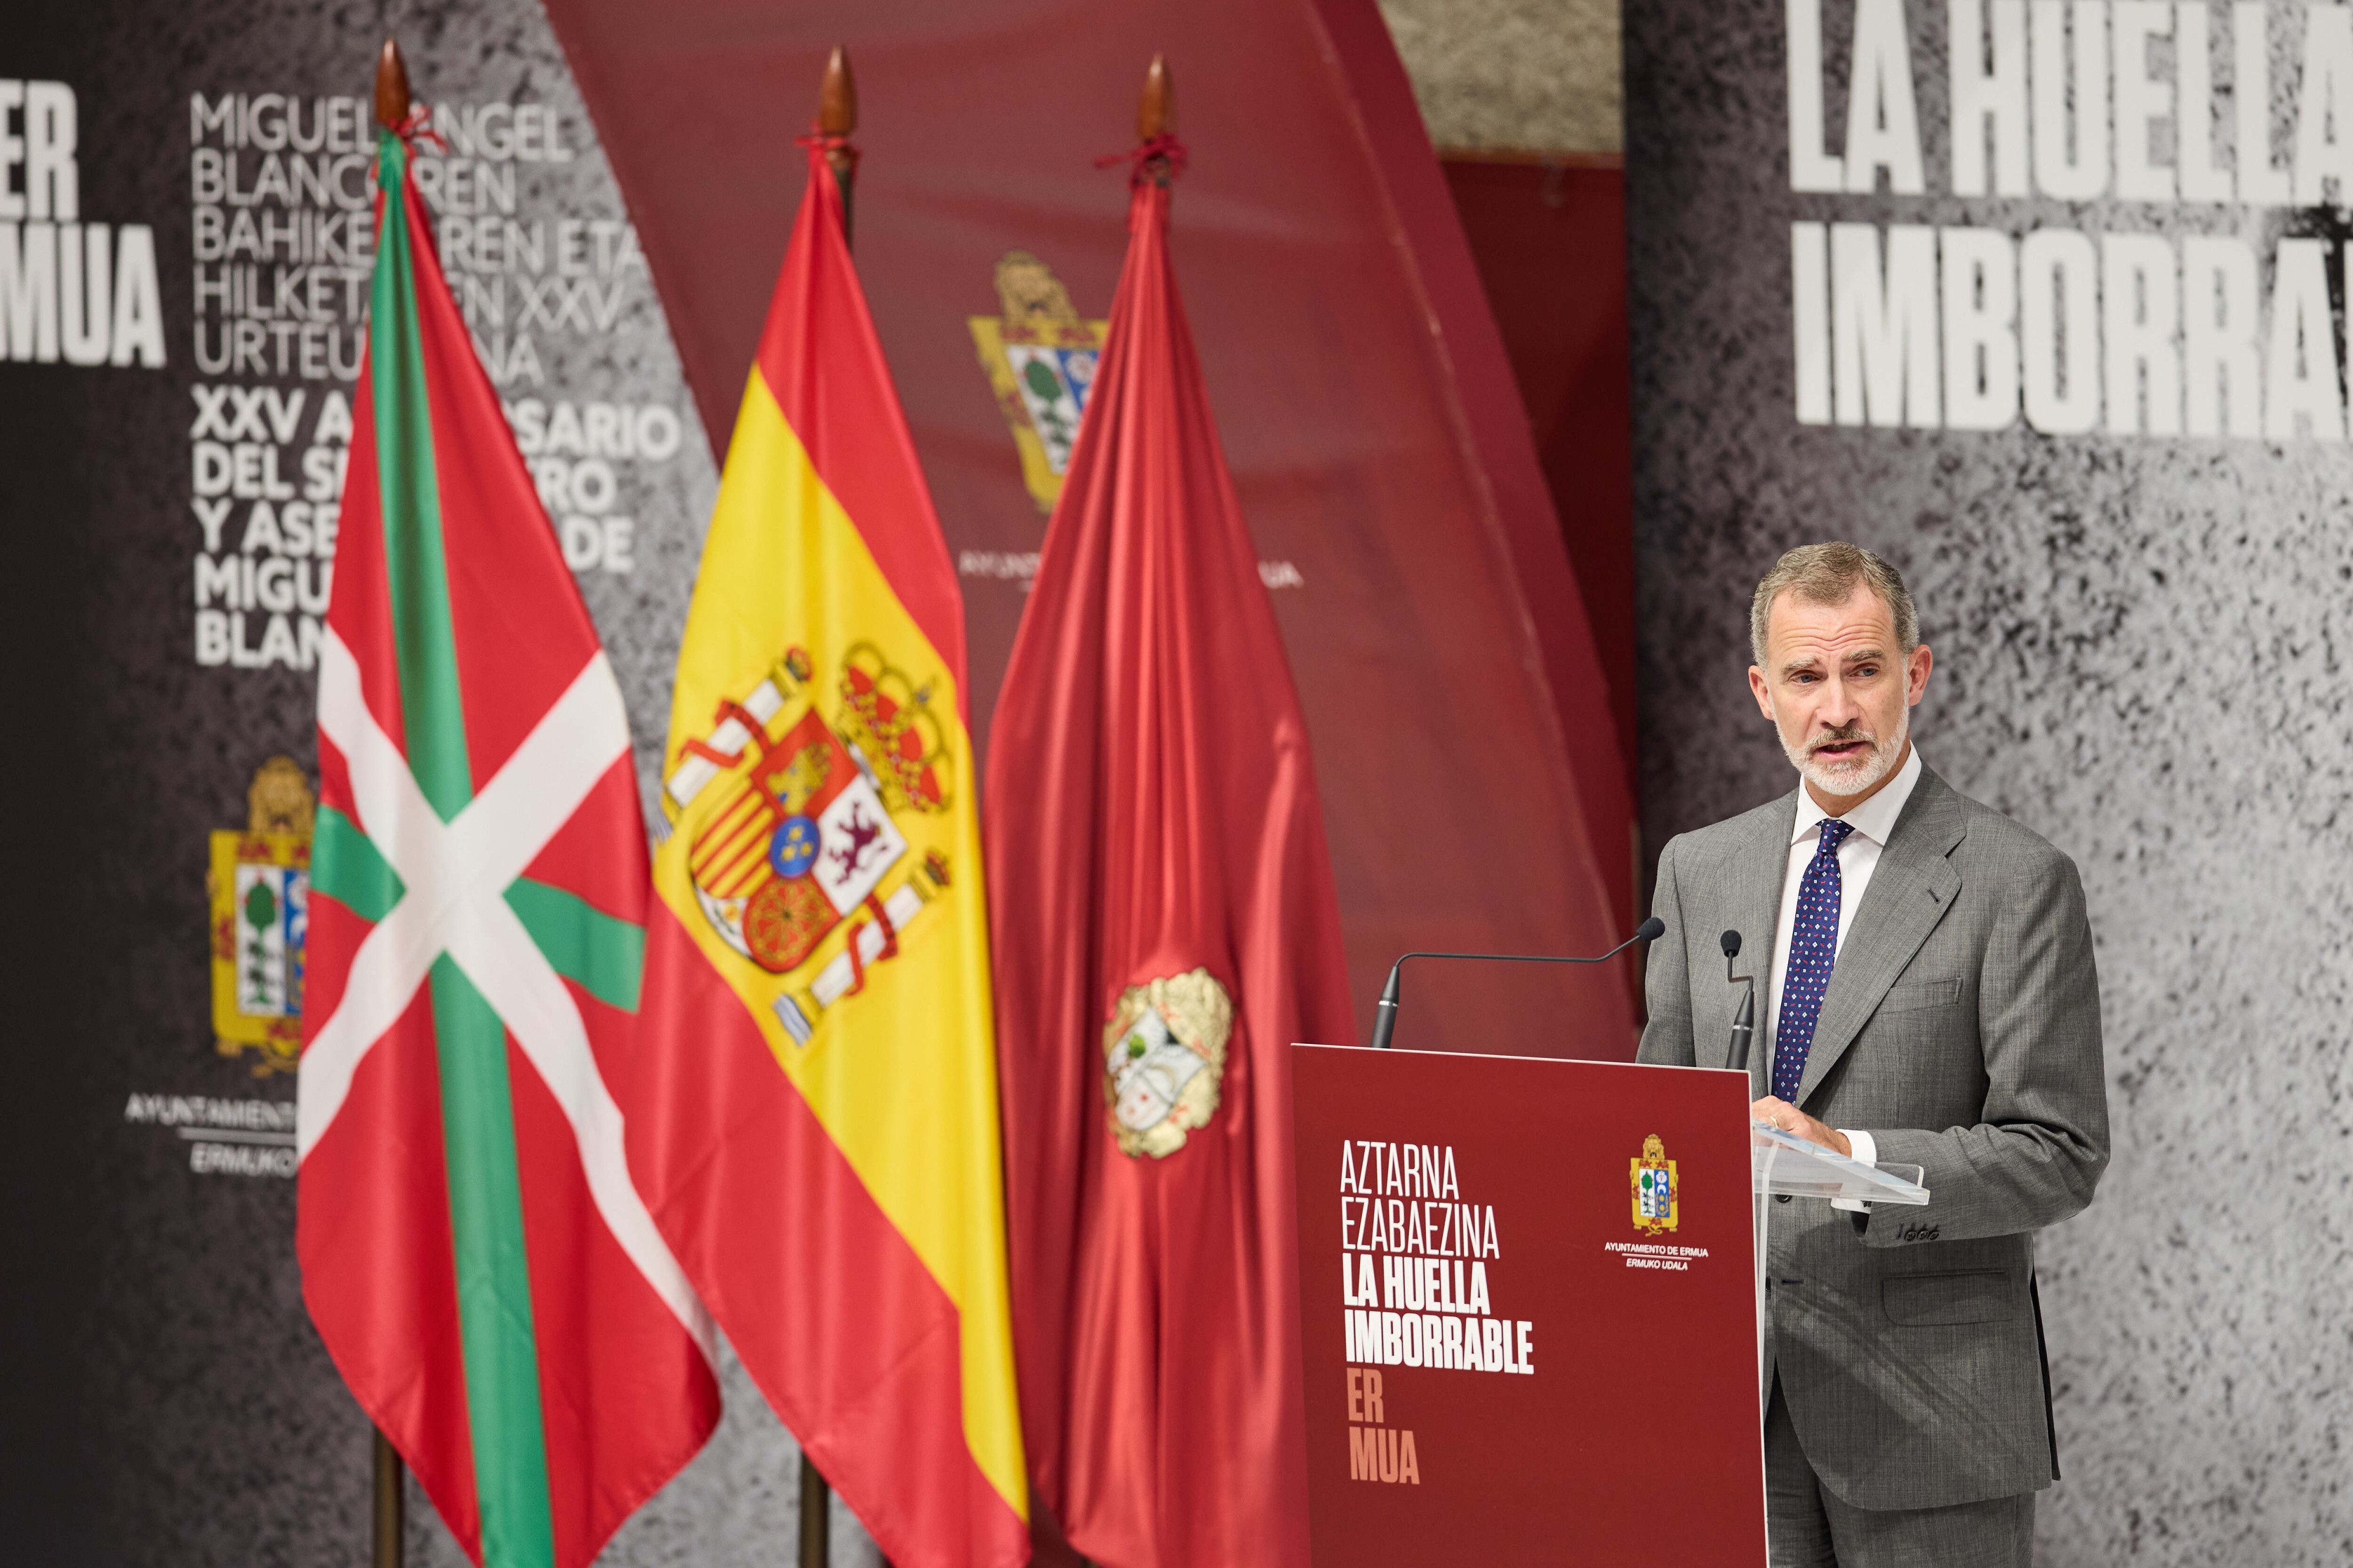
(1961, 1029)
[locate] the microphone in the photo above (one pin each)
(1744, 1023)
(1385, 1015)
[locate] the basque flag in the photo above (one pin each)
(474, 1253)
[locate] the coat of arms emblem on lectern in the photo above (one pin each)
(1657, 1194)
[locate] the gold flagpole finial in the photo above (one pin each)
(1156, 112)
(837, 97)
(392, 100)
(837, 117)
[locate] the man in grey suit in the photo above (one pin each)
(1925, 966)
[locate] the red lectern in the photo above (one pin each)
(1528, 1295)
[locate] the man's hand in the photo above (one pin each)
(1780, 1113)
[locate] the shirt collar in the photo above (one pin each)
(1876, 817)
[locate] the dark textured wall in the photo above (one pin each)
(2139, 653)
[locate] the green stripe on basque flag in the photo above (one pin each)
(603, 954)
(493, 1273)
(346, 866)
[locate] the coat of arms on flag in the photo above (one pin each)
(799, 829)
(1163, 1057)
(1040, 359)
(259, 883)
(1658, 1197)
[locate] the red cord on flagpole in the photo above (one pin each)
(395, 111)
(1157, 158)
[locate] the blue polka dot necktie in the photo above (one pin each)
(1813, 948)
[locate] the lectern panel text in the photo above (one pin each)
(1528, 1311)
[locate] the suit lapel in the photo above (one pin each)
(1756, 912)
(1912, 887)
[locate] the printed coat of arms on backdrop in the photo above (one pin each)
(1164, 1060)
(800, 861)
(1040, 359)
(1658, 1196)
(259, 884)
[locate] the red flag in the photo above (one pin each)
(1162, 910)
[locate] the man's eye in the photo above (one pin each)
(1866, 669)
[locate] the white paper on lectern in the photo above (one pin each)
(1805, 1169)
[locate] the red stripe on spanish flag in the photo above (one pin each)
(820, 1292)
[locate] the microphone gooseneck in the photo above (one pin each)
(1385, 1011)
(1744, 1029)
(1744, 1022)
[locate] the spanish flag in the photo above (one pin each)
(814, 1120)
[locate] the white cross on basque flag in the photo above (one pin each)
(456, 875)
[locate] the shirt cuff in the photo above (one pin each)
(1865, 1148)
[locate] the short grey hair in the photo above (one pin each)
(1827, 574)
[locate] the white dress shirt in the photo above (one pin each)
(1858, 857)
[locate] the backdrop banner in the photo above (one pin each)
(184, 258)
(184, 249)
(2044, 303)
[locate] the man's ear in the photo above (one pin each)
(1915, 674)
(1763, 693)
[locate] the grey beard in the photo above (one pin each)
(1853, 778)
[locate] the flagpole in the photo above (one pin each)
(817, 1516)
(391, 1522)
(837, 117)
(389, 1519)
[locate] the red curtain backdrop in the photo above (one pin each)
(1548, 235)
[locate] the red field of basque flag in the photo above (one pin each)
(474, 1254)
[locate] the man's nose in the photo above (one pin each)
(1838, 706)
